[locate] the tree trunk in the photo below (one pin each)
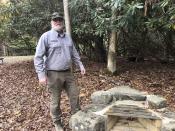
(168, 45)
(67, 18)
(111, 65)
(4, 50)
(100, 52)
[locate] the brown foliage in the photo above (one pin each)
(24, 106)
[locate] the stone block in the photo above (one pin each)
(156, 102)
(169, 114)
(88, 121)
(93, 108)
(169, 127)
(101, 97)
(127, 93)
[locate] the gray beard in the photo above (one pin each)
(57, 28)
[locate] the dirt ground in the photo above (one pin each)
(24, 105)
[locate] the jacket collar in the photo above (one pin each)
(62, 35)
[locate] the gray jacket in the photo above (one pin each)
(59, 52)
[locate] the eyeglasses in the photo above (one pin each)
(58, 19)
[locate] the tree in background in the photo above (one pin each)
(102, 19)
(25, 21)
(137, 25)
(67, 17)
(111, 64)
(142, 28)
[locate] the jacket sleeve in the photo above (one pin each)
(39, 57)
(76, 58)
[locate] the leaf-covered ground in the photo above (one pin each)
(24, 105)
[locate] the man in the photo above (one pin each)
(59, 52)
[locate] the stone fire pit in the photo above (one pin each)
(124, 109)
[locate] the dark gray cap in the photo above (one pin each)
(56, 15)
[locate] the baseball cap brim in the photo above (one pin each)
(56, 16)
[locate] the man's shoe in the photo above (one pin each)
(58, 127)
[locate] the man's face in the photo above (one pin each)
(57, 24)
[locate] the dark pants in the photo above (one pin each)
(56, 82)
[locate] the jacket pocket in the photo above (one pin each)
(57, 49)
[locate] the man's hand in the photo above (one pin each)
(83, 71)
(43, 82)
